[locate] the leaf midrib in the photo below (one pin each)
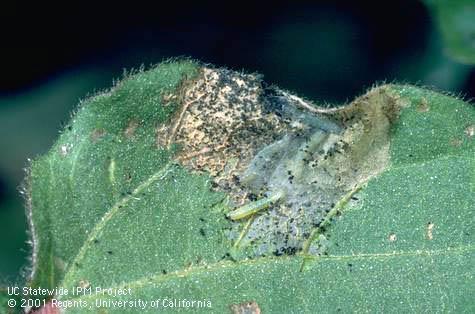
(159, 277)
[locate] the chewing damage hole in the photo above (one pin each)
(456, 142)
(84, 284)
(423, 105)
(129, 131)
(283, 162)
(392, 237)
(430, 230)
(97, 134)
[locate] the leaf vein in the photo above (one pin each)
(108, 216)
(159, 277)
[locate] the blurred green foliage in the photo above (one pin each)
(456, 21)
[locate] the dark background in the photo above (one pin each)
(330, 52)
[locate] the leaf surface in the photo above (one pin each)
(112, 209)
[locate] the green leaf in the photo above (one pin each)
(136, 193)
(108, 162)
(456, 21)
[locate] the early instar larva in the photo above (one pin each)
(254, 207)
